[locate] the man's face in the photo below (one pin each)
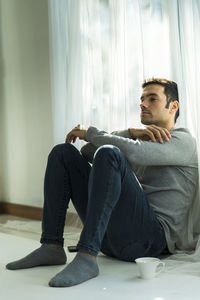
(153, 103)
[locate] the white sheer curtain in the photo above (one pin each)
(101, 50)
(100, 53)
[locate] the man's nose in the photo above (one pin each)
(144, 104)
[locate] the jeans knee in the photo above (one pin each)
(107, 150)
(62, 148)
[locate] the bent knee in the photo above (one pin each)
(107, 150)
(62, 148)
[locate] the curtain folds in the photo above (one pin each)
(102, 50)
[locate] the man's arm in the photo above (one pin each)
(179, 150)
(124, 133)
(89, 149)
(152, 132)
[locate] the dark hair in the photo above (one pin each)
(170, 90)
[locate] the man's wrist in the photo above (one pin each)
(131, 132)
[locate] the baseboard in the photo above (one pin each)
(19, 210)
(33, 213)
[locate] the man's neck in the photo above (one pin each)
(168, 125)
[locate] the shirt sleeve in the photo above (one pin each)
(124, 133)
(89, 149)
(179, 151)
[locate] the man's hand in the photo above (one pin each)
(75, 133)
(153, 132)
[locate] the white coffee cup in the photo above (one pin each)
(149, 267)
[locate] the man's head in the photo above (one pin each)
(159, 102)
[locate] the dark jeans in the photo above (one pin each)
(110, 201)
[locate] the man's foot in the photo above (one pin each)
(43, 256)
(82, 268)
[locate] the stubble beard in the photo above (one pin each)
(147, 122)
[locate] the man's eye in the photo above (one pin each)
(152, 99)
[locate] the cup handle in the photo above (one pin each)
(162, 264)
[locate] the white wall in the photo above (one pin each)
(26, 129)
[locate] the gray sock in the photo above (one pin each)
(82, 268)
(43, 256)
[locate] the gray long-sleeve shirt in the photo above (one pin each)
(167, 172)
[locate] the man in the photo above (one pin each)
(134, 199)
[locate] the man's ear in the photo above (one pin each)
(174, 105)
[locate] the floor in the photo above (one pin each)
(117, 279)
